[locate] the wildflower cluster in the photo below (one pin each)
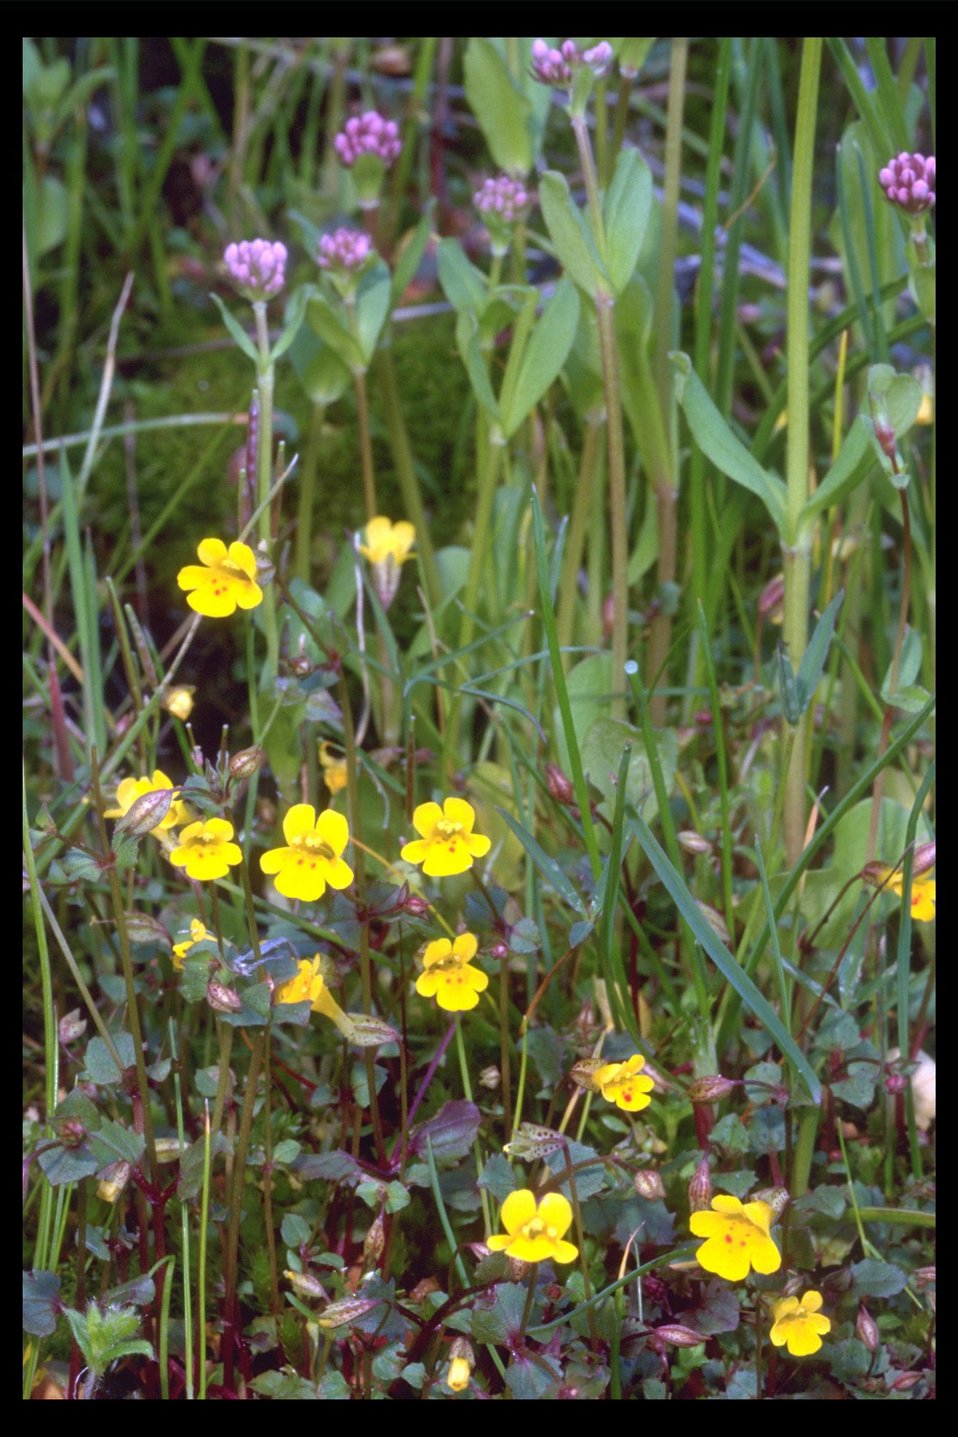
(909, 181)
(345, 250)
(368, 134)
(257, 267)
(503, 203)
(552, 66)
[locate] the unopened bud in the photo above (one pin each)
(71, 1026)
(179, 702)
(772, 596)
(518, 1270)
(498, 951)
(416, 906)
(649, 1185)
(905, 1382)
(923, 858)
(777, 1199)
(895, 1083)
(145, 813)
(866, 1329)
(490, 1077)
(366, 1031)
(222, 999)
(144, 928)
(559, 786)
(714, 919)
(247, 762)
(374, 1242)
(677, 1335)
(700, 1187)
(305, 1284)
(693, 842)
(112, 1181)
(348, 1309)
(459, 1375)
(71, 1132)
(584, 1071)
(711, 1089)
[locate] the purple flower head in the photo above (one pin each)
(558, 67)
(257, 267)
(368, 134)
(909, 181)
(345, 250)
(502, 197)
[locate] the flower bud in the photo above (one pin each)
(771, 598)
(463, 1360)
(71, 1132)
(304, 1284)
(584, 1071)
(71, 1026)
(866, 1329)
(498, 951)
(112, 1181)
(777, 1199)
(247, 762)
(649, 1185)
(348, 1309)
(145, 813)
(490, 1078)
(374, 1242)
(923, 858)
(256, 267)
(559, 786)
(416, 906)
(366, 1031)
(700, 1187)
(222, 999)
(905, 1382)
(179, 702)
(678, 1335)
(711, 1089)
(693, 842)
(909, 181)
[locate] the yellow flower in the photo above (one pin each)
(447, 844)
(535, 1232)
(309, 984)
(179, 702)
(334, 769)
(314, 855)
(459, 1374)
(228, 579)
(198, 932)
(922, 896)
(206, 850)
(738, 1238)
(624, 1084)
(387, 548)
(799, 1324)
(448, 977)
(130, 789)
(385, 541)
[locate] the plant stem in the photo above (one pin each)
(798, 539)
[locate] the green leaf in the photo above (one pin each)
(497, 1177)
(290, 1387)
(547, 866)
(502, 110)
(465, 286)
(325, 321)
(601, 751)
(52, 213)
(239, 334)
(909, 664)
(99, 1065)
(723, 959)
(113, 1142)
(855, 460)
(412, 253)
(813, 659)
(470, 352)
(873, 1278)
(492, 1321)
(718, 443)
(373, 301)
(543, 356)
(41, 1302)
(570, 234)
(293, 322)
(451, 1132)
(625, 215)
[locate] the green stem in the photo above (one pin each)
(804, 1152)
(264, 480)
(665, 478)
(231, 1255)
(575, 539)
(307, 491)
(401, 451)
(798, 539)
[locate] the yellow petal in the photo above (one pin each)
(211, 552)
(457, 810)
(556, 1211)
(518, 1208)
(243, 557)
(465, 946)
(299, 822)
(424, 820)
(333, 829)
